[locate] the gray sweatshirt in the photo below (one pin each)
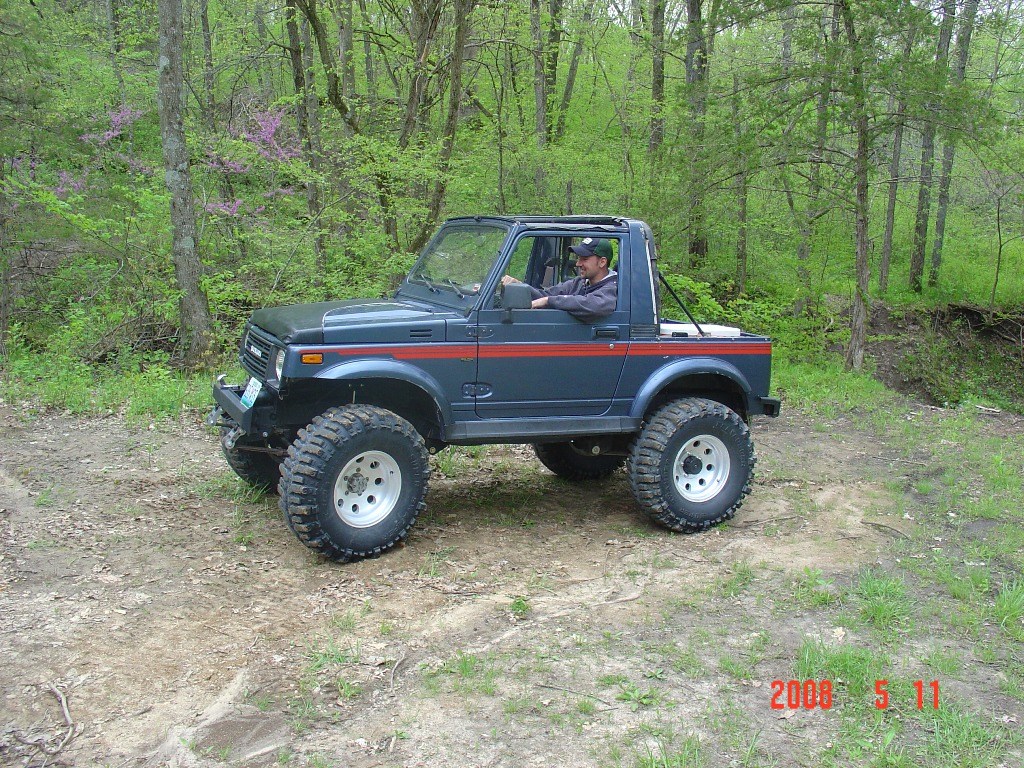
(587, 303)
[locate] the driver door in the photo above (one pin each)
(545, 362)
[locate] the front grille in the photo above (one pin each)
(257, 353)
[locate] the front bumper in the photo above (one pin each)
(230, 412)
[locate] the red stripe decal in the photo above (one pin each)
(586, 349)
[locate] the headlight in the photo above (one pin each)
(279, 363)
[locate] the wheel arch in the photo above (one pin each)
(404, 389)
(706, 377)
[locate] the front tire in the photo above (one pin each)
(354, 482)
(568, 463)
(692, 464)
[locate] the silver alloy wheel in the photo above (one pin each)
(701, 468)
(367, 489)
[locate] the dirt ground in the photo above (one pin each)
(152, 613)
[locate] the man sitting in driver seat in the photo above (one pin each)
(589, 297)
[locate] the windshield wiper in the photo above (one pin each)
(454, 286)
(427, 282)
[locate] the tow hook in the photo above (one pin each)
(216, 418)
(230, 438)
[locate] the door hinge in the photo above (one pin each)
(479, 331)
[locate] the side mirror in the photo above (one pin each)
(516, 296)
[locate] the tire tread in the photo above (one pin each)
(645, 460)
(305, 467)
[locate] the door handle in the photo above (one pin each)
(606, 333)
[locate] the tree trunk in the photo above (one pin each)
(343, 14)
(806, 216)
(368, 65)
(463, 10)
(312, 100)
(657, 77)
(540, 93)
(894, 174)
(741, 191)
(264, 75)
(696, 85)
(570, 76)
(1000, 43)
(554, 46)
(858, 329)
(999, 255)
(963, 45)
(426, 18)
(208, 80)
(114, 48)
(302, 123)
(194, 306)
(924, 191)
(5, 268)
(381, 178)
(113, 33)
(890, 208)
(334, 95)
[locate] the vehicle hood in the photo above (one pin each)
(352, 321)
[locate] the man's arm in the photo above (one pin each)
(536, 293)
(598, 302)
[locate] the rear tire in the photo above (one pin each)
(354, 482)
(570, 464)
(692, 464)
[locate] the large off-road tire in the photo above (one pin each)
(354, 482)
(692, 464)
(570, 464)
(259, 469)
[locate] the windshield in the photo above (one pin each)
(456, 263)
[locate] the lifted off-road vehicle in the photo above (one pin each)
(346, 398)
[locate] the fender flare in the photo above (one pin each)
(354, 370)
(680, 369)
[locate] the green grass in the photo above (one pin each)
(434, 563)
(347, 689)
(667, 754)
(1009, 608)
(636, 698)
(135, 389)
(813, 590)
(739, 669)
(469, 674)
(882, 601)
(945, 663)
(519, 607)
(826, 388)
(329, 654)
(741, 577)
(853, 671)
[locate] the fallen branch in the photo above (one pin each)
(576, 693)
(626, 599)
(765, 521)
(40, 743)
(983, 409)
(901, 461)
(455, 592)
(391, 683)
(883, 526)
